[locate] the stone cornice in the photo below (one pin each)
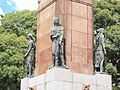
(83, 2)
(42, 7)
(45, 5)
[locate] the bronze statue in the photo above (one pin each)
(30, 56)
(57, 37)
(100, 50)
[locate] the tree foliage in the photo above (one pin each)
(13, 31)
(107, 15)
(20, 23)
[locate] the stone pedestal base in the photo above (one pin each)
(64, 79)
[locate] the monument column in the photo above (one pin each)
(76, 17)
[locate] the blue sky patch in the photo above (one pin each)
(7, 6)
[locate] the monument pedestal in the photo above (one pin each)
(64, 79)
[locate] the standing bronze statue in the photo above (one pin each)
(100, 50)
(30, 56)
(57, 37)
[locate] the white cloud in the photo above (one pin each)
(25, 4)
(1, 11)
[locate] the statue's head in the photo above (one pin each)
(100, 30)
(56, 20)
(29, 36)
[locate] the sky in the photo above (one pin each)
(7, 6)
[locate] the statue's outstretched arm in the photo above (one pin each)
(29, 49)
(103, 44)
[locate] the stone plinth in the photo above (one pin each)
(36, 83)
(24, 84)
(64, 79)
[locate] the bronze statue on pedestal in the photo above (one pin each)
(100, 50)
(57, 37)
(30, 56)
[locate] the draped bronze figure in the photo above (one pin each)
(100, 50)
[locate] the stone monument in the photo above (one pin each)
(65, 40)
